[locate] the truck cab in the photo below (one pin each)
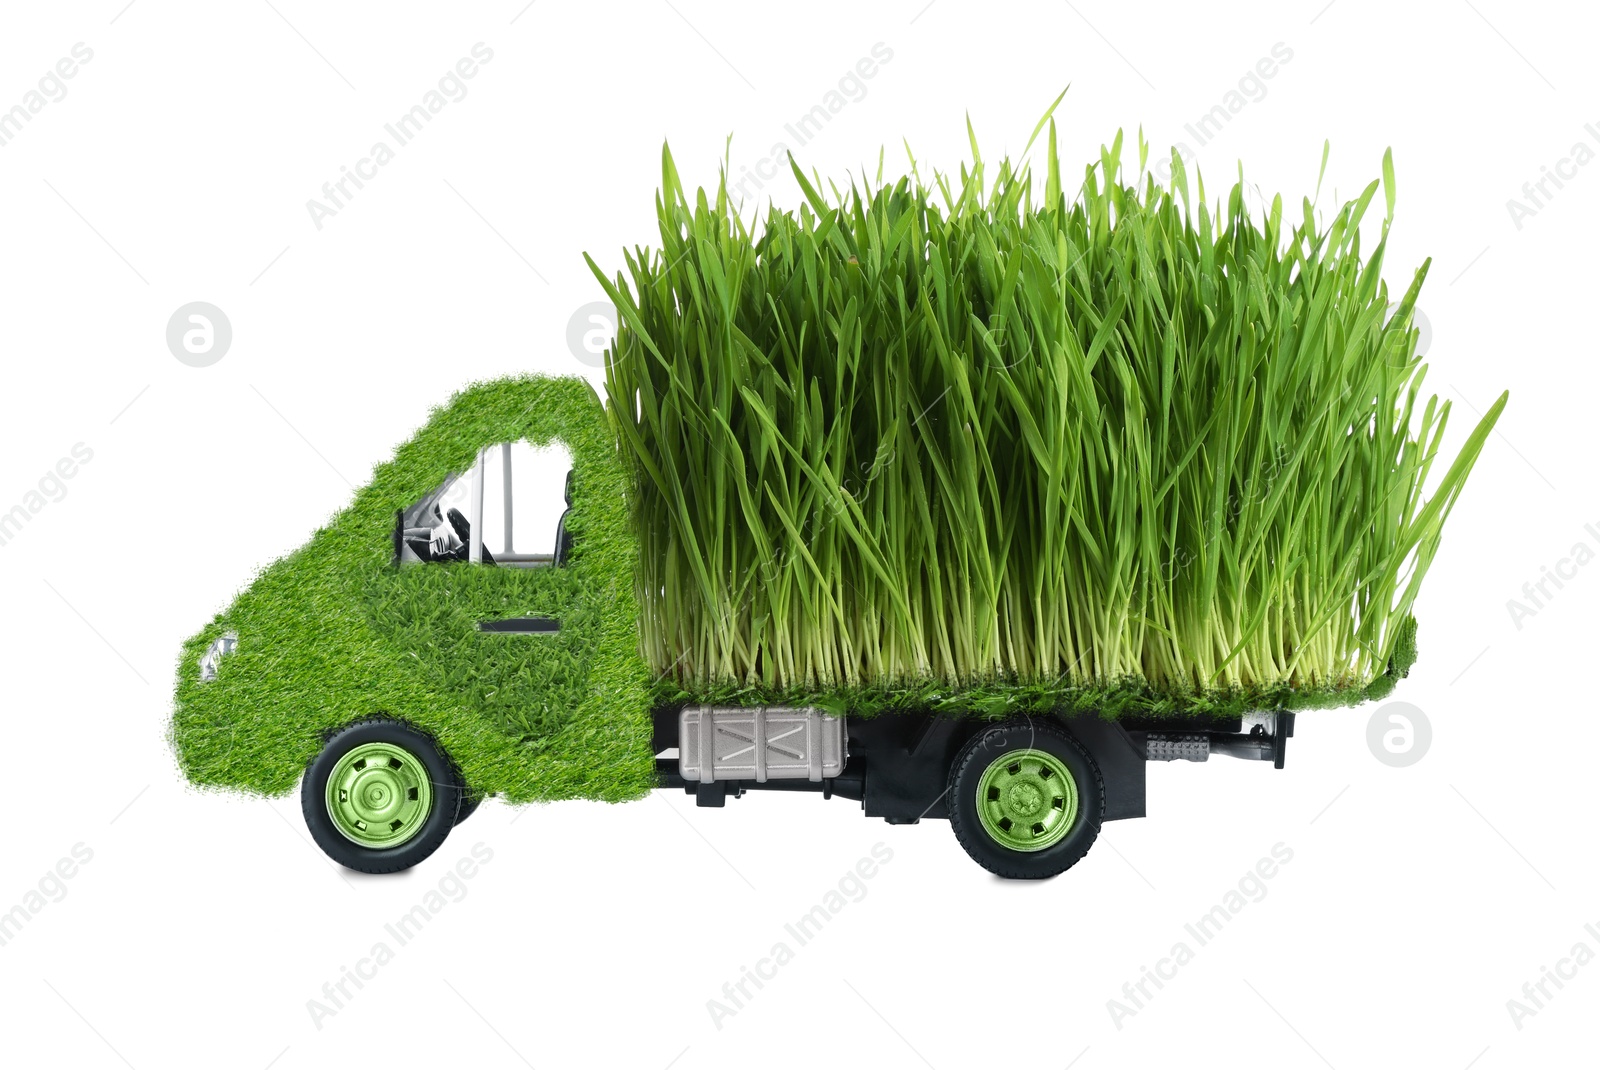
(465, 627)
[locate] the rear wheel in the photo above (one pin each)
(1026, 799)
(380, 797)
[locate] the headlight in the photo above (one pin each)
(221, 645)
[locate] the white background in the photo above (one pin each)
(177, 168)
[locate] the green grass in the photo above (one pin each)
(984, 444)
(334, 632)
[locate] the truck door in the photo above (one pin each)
(481, 600)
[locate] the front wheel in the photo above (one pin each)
(380, 797)
(1026, 799)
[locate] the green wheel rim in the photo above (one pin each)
(1027, 800)
(379, 794)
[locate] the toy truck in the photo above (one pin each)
(961, 500)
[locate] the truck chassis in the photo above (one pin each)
(902, 767)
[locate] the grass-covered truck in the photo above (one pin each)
(959, 500)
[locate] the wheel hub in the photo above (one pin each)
(379, 794)
(1027, 800)
(1024, 800)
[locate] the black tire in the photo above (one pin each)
(469, 803)
(436, 825)
(469, 799)
(967, 771)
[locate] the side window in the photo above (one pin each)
(508, 509)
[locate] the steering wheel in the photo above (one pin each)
(464, 533)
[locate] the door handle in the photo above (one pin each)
(521, 626)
